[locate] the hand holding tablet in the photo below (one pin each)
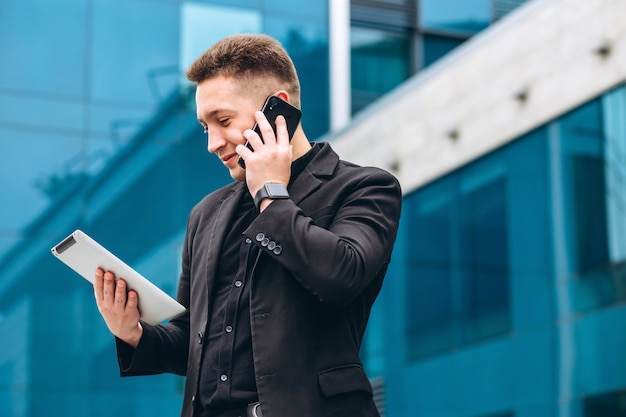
(84, 255)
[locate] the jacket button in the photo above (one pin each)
(260, 237)
(271, 245)
(200, 337)
(265, 242)
(193, 400)
(277, 250)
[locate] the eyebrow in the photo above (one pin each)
(214, 113)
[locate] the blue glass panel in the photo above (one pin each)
(394, 2)
(44, 46)
(204, 24)
(460, 262)
(251, 4)
(613, 114)
(598, 269)
(457, 15)
(380, 61)
(530, 246)
(307, 44)
(430, 311)
(99, 138)
(306, 10)
(44, 164)
(436, 46)
(374, 341)
(430, 299)
(131, 40)
(583, 165)
(483, 250)
(43, 114)
(429, 213)
(116, 124)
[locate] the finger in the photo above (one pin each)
(243, 151)
(98, 283)
(120, 294)
(282, 135)
(108, 288)
(132, 301)
(267, 132)
(253, 138)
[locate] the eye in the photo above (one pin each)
(225, 121)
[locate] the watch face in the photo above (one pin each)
(276, 190)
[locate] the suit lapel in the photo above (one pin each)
(309, 180)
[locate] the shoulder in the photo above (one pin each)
(349, 172)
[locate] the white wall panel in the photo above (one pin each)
(545, 48)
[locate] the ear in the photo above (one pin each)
(282, 94)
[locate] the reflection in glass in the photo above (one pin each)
(593, 143)
(436, 46)
(459, 267)
(430, 295)
(142, 35)
(380, 61)
(55, 63)
(613, 113)
(397, 2)
(204, 24)
(103, 138)
(469, 16)
(483, 252)
(307, 44)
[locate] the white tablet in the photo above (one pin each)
(84, 255)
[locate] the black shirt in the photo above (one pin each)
(227, 374)
(227, 377)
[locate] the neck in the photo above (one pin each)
(300, 144)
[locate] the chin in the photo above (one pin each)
(238, 174)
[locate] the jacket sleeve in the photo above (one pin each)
(163, 348)
(335, 261)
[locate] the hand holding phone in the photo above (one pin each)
(275, 106)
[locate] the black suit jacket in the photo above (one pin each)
(310, 300)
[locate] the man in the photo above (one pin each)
(278, 286)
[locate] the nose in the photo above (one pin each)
(214, 141)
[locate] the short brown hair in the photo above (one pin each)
(252, 59)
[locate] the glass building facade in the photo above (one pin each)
(506, 293)
(393, 39)
(98, 132)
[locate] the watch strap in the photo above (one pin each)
(280, 192)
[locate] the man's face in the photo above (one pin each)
(225, 113)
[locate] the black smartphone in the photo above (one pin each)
(275, 106)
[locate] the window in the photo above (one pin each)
(458, 281)
(483, 252)
(436, 46)
(380, 61)
(469, 16)
(382, 35)
(583, 170)
(592, 157)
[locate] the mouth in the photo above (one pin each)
(229, 158)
